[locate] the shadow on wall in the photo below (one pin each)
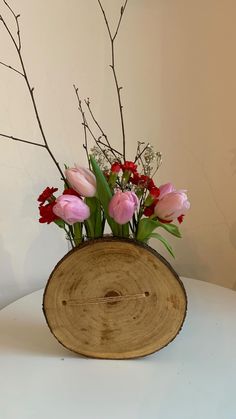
(9, 287)
(37, 263)
(190, 264)
(232, 237)
(233, 162)
(232, 233)
(44, 252)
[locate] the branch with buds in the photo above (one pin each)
(16, 42)
(113, 189)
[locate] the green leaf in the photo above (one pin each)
(96, 215)
(98, 229)
(104, 195)
(89, 228)
(90, 222)
(77, 233)
(147, 225)
(145, 228)
(60, 223)
(164, 241)
(92, 203)
(94, 223)
(125, 230)
(171, 228)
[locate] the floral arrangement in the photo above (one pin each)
(112, 190)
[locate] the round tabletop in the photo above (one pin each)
(192, 378)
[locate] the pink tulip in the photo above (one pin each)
(82, 180)
(71, 209)
(165, 189)
(172, 204)
(122, 206)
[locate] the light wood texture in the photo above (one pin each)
(114, 298)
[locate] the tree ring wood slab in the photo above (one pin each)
(115, 299)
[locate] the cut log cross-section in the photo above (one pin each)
(114, 298)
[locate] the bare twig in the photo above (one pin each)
(159, 162)
(12, 68)
(11, 137)
(139, 154)
(98, 143)
(119, 22)
(113, 150)
(118, 88)
(105, 18)
(17, 23)
(17, 47)
(108, 145)
(87, 127)
(85, 145)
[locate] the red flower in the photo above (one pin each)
(115, 167)
(180, 218)
(135, 178)
(143, 181)
(46, 213)
(46, 195)
(164, 221)
(129, 166)
(146, 182)
(106, 174)
(154, 192)
(71, 191)
(148, 211)
(151, 185)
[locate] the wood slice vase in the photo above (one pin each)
(115, 299)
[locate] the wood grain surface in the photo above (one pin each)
(114, 298)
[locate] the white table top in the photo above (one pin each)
(193, 378)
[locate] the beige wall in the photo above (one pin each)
(177, 66)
